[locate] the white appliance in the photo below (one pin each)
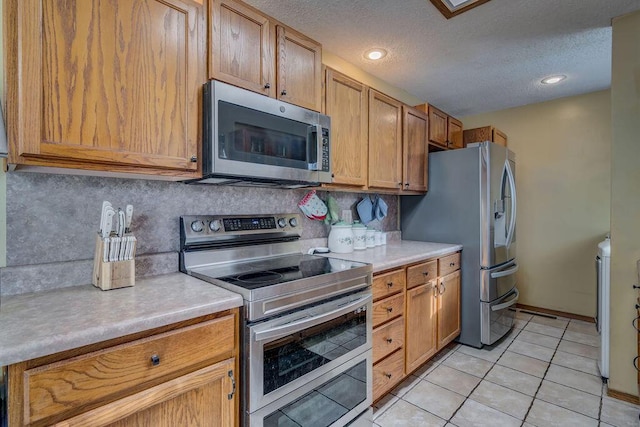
(472, 201)
(603, 270)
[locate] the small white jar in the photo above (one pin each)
(371, 238)
(359, 235)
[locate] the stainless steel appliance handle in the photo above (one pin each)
(503, 273)
(512, 184)
(292, 327)
(318, 132)
(504, 305)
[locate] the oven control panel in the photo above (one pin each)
(215, 228)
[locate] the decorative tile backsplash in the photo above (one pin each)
(52, 219)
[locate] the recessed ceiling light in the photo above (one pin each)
(375, 54)
(553, 79)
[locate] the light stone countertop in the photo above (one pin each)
(43, 323)
(398, 253)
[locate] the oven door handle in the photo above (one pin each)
(289, 328)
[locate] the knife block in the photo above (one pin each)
(112, 275)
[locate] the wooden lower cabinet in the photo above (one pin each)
(182, 374)
(429, 319)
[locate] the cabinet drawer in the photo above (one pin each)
(388, 284)
(387, 309)
(387, 373)
(421, 273)
(449, 264)
(108, 374)
(388, 338)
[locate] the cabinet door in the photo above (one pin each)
(204, 397)
(299, 66)
(437, 126)
(448, 308)
(385, 141)
(347, 104)
(242, 41)
(421, 341)
(499, 137)
(106, 85)
(454, 133)
(414, 149)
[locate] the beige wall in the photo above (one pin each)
(563, 179)
(339, 64)
(625, 199)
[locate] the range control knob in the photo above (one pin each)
(293, 222)
(282, 223)
(215, 225)
(197, 226)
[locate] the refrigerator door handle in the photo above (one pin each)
(503, 273)
(512, 184)
(509, 303)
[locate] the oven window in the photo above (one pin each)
(247, 135)
(324, 405)
(298, 354)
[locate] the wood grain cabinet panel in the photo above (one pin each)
(421, 329)
(299, 65)
(415, 141)
(241, 47)
(347, 105)
(387, 373)
(388, 309)
(385, 141)
(448, 308)
(388, 338)
(437, 126)
(485, 133)
(422, 273)
(454, 133)
(448, 264)
(106, 85)
(388, 284)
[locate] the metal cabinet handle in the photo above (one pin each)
(389, 340)
(389, 309)
(425, 273)
(388, 375)
(283, 93)
(233, 385)
(451, 264)
(155, 360)
(194, 159)
(406, 184)
(444, 288)
(267, 86)
(389, 284)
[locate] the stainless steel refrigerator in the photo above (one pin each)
(472, 201)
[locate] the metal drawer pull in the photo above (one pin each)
(389, 309)
(389, 340)
(444, 288)
(155, 360)
(426, 273)
(390, 284)
(388, 375)
(451, 264)
(509, 303)
(233, 385)
(503, 273)
(267, 86)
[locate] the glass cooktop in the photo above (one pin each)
(265, 272)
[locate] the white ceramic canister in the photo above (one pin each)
(378, 238)
(341, 238)
(371, 237)
(359, 235)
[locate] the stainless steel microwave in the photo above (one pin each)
(251, 139)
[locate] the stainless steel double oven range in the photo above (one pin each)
(306, 328)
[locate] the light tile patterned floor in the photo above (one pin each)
(544, 373)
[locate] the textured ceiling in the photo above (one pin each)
(487, 59)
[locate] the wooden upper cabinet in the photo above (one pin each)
(347, 104)
(485, 133)
(385, 141)
(437, 126)
(414, 149)
(299, 62)
(454, 132)
(242, 43)
(106, 85)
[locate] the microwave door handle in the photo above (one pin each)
(289, 328)
(512, 222)
(509, 303)
(503, 273)
(317, 130)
